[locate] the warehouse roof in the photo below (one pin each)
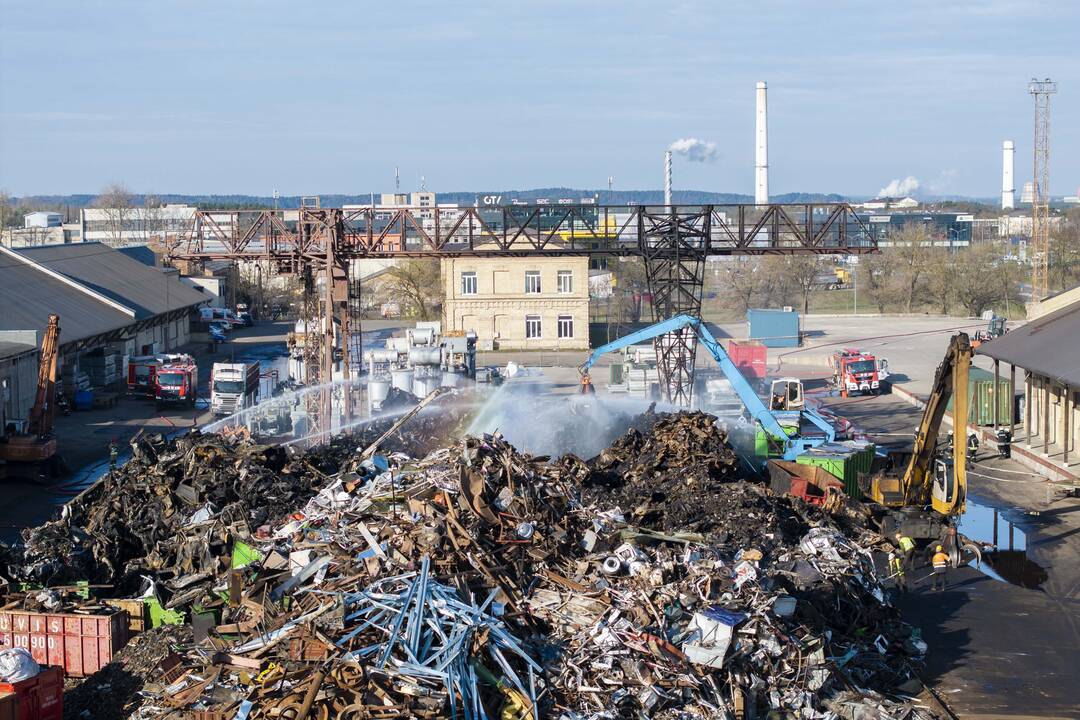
(29, 295)
(1048, 346)
(13, 349)
(145, 289)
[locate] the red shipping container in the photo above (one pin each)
(80, 644)
(39, 698)
(750, 357)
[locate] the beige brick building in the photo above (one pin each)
(535, 303)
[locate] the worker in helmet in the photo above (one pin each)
(940, 562)
(896, 572)
(907, 549)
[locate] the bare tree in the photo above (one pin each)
(802, 273)
(417, 286)
(910, 251)
(974, 278)
(876, 280)
(744, 280)
(117, 204)
(939, 278)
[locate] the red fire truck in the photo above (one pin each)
(177, 381)
(855, 371)
(141, 374)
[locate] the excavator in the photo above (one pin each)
(923, 500)
(789, 443)
(37, 445)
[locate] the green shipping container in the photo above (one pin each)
(843, 466)
(981, 398)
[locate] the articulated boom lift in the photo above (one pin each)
(792, 445)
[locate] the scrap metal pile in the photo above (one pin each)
(480, 582)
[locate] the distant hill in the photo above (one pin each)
(606, 197)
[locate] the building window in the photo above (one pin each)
(565, 282)
(532, 281)
(468, 283)
(566, 326)
(532, 326)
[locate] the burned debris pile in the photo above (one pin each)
(478, 581)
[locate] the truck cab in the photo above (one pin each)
(233, 387)
(856, 372)
(176, 381)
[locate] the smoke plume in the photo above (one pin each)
(694, 150)
(899, 188)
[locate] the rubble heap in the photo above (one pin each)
(479, 581)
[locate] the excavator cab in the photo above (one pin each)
(786, 394)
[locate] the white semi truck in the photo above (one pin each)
(233, 387)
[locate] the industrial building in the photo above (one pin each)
(947, 229)
(133, 225)
(536, 303)
(110, 305)
(1044, 351)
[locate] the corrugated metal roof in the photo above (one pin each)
(146, 290)
(28, 296)
(1048, 346)
(11, 349)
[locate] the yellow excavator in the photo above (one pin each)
(922, 501)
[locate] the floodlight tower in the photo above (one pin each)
(1041, 90)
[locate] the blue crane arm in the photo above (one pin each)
(756, 407)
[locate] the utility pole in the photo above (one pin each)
(1041, 90)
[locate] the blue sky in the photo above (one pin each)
(225, 96)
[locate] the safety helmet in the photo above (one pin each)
(939, 548)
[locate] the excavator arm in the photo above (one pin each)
(757, 408)
(928, 478)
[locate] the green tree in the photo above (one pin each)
(911, 253)
(876, 278)
(939, 278)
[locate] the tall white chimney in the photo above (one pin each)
(761, 163)
(667, 177)
(1008, 187)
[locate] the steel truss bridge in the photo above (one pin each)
(673, 241)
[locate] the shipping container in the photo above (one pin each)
(38, 698)
(750, 357)
(981, 398)
(774, 328)
(80, 644)
(845, 461)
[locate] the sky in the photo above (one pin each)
(238, 96)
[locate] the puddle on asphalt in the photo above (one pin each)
(1010, 562)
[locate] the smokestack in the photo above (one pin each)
(667, 178)
(761, 164)
(1008, 187)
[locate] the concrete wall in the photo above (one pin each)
(498, 310)
(18, 384)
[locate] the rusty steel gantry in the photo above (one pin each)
(673, 241)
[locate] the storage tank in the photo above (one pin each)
(402, 380)
(425, 356)
(425, 384)
(378, 389)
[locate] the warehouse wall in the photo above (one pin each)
(18, 384)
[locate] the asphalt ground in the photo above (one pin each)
(1004, 638)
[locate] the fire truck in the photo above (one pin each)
(855, 371)
(142, 375)
(177, 381)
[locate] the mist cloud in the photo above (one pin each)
(899, 188)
